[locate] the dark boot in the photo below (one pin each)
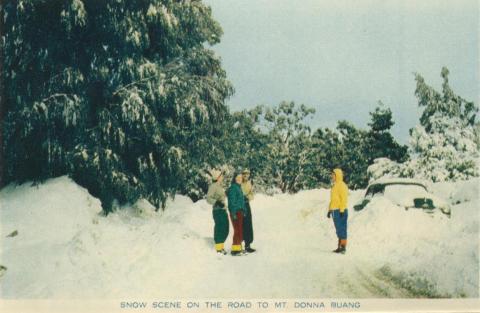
(338, 247)
(343, 246)
(249, 249)
(236, 253)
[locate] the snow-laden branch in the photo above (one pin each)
(57, 95)
(143, 80)
(169, 66)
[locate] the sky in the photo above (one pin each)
(342, 57)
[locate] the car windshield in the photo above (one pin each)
(405, 188)
(374, 189)
(396, 188)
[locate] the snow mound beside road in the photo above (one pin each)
(432, 247)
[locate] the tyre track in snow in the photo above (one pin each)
(378, 285)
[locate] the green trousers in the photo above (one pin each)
(220, 231)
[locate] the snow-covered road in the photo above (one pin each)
(64, 249)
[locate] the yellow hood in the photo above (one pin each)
(338, 175)
(339, 193)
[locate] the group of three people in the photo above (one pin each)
(240, 193)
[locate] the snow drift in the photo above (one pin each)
(63, 248)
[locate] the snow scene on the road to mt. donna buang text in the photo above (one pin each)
(55, 244)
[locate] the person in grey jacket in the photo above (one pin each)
(216, 197)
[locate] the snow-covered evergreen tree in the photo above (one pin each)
(289, 145)
(444, 146)
(446, 152)
(232, 144)
(109, 92)
(246, 146)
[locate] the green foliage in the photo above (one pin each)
(354, 154)
(110, 92)
(354, 150)
(277, 145)
(274, 143)
(445, 144)
(328, 154)
(234, 142)
(380, 143)
(381, 119)
(126, 98)
(289, 145)
(446, 103)
(283, 154)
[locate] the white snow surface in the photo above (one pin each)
(65, 249)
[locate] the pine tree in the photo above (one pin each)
(109, 92)
(328, 153)
(354, 156)
(381, 143)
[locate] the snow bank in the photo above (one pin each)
(466, 191)
(65, 249)
(458, 192)
(436, 248)
(48, 218)
(64, 208)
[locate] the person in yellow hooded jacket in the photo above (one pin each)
(338, 209)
